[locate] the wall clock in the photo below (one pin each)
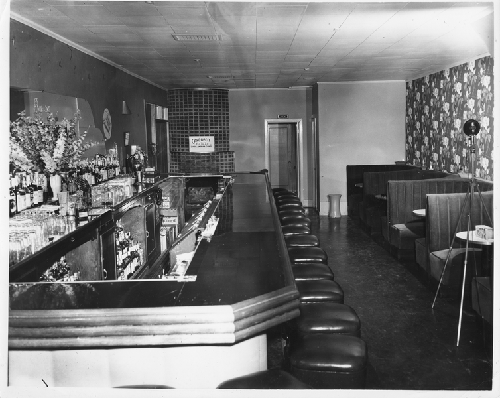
(106, 124)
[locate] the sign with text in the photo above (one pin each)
(282, 116)
(201, 144)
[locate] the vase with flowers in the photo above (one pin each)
(43, 144)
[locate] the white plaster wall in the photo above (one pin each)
(359, 123)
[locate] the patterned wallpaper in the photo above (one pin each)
(438, 105)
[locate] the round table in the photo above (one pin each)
(486, 252)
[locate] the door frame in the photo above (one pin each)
(299, 148)
(315, 163)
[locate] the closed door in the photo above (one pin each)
(283, 156)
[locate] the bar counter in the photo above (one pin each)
(244, 286)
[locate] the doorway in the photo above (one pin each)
(157, 139)
(283, 153)
(315, 164)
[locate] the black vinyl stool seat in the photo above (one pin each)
(311, 272)
(287, 194)
(297, 220)
(287, 199)
(305, 240)
(275, 190)
(327, 318)
(319, 291)
(266, 379)
(289, 205)
(283, 215)
(289, 210)
(330, 361)
(307, 254)
(295, 230)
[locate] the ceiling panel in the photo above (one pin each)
(130, 8)
(269, 43)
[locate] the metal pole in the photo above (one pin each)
(467, 197)
(469, 225)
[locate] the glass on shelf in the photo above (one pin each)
(29, 233)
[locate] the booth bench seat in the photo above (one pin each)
(374, 205)
(355, 180)
(443, 214)
(401, 228)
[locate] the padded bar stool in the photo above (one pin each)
(287, 200)
(296, 210)
(311, 272)
(295, 230)
(276, 190)
(289, 205)
(327, 317)
(297, 220)
(307, 254)
(330, 361)
(306, 240)
(319, 291)
(266, 379)
(287, 194)
(283, 215)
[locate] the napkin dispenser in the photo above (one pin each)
(484, 232)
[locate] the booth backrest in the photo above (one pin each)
(443, 214)
(355, 173)
(375, 183)
(405, 196)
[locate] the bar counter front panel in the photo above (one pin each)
(243, 286)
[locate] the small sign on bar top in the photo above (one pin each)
(282, 116)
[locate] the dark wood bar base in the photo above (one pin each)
(244, 285)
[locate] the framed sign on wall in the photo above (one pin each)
(201, 144)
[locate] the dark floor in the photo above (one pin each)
(410, 345)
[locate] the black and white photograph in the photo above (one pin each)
(249, 196)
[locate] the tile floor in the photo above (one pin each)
(411, 346)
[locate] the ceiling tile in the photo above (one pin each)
(130, 8)
(376, 40)
(88, 13)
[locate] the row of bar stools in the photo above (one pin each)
(323, 347)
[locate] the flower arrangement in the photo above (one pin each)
(44, 145)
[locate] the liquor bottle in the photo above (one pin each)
(46, 189)
(64, 183)
(34, 187)
(84, 200)
(12, 198)
(20, 194)
(71, 183)
(34, 190)
(39, 179)
(27, 192)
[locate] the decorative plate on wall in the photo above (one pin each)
(106, 124)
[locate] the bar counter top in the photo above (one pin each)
(243, 286)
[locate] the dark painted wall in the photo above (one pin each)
(40, 62)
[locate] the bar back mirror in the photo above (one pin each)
(62, 107)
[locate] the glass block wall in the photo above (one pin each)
(199, 112)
